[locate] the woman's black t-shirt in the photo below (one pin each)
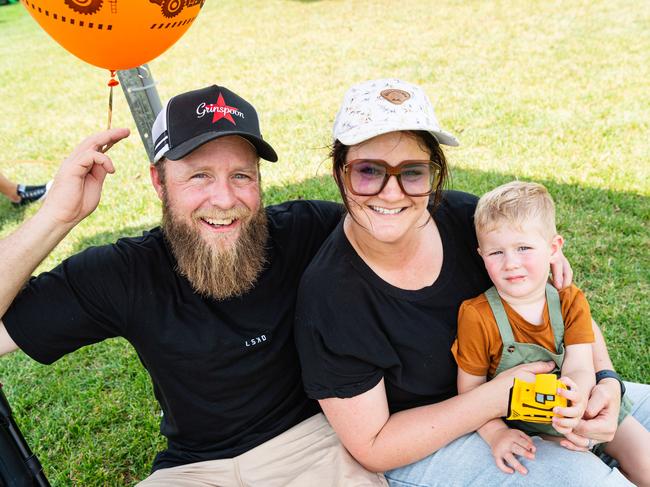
(353, 328)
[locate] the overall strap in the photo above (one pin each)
(494, 300)
(555, 314)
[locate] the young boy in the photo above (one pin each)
(522, 320)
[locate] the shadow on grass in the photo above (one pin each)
(315, 188)
(568, 197)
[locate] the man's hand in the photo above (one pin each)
(77, 185)
(506, 445)
(600, 420)
(570, 416)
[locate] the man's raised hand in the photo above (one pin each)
(77, 186)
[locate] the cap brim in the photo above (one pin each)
(445, 138)
(263, 148)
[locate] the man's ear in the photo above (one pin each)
(155, 180)
(556, 246)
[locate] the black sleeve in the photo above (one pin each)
(321, 217)
(328, 342)
(329, 214)
(342, 347)
(299, 228)
(83, 300)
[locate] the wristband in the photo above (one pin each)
(610, 374)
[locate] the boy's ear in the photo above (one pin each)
(556, 246)
(478, 249)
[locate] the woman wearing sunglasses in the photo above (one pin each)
(377, 310)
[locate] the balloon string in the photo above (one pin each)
(111, 83)
(110, 107)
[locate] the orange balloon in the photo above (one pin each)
(115, 34)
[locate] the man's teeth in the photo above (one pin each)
(386, 211)
(215, 222)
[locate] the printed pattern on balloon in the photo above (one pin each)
(169, 8)
(86, 7)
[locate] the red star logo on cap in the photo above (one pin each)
(222, 110)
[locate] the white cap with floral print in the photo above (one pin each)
(386, 105)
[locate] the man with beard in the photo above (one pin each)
(207, 300)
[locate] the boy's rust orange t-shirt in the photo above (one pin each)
(478, 346)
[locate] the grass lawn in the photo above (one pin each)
(555, 92)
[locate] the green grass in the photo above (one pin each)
(550, 91)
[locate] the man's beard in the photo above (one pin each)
(219, 273)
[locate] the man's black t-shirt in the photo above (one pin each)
(226, 373)
(353, 328)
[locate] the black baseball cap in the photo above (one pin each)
(189, 120)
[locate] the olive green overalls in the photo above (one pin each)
(516, 353)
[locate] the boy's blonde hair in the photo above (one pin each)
(516, 203)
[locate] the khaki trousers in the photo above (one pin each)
(307, 455)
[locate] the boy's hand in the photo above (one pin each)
(505, 444)
(571, 415)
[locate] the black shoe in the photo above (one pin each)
(29, 194)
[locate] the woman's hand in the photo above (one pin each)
(561, 271)
(526, 372)
(600, 420)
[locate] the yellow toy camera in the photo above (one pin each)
(534, 402)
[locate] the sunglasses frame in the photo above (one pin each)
(393, 171)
